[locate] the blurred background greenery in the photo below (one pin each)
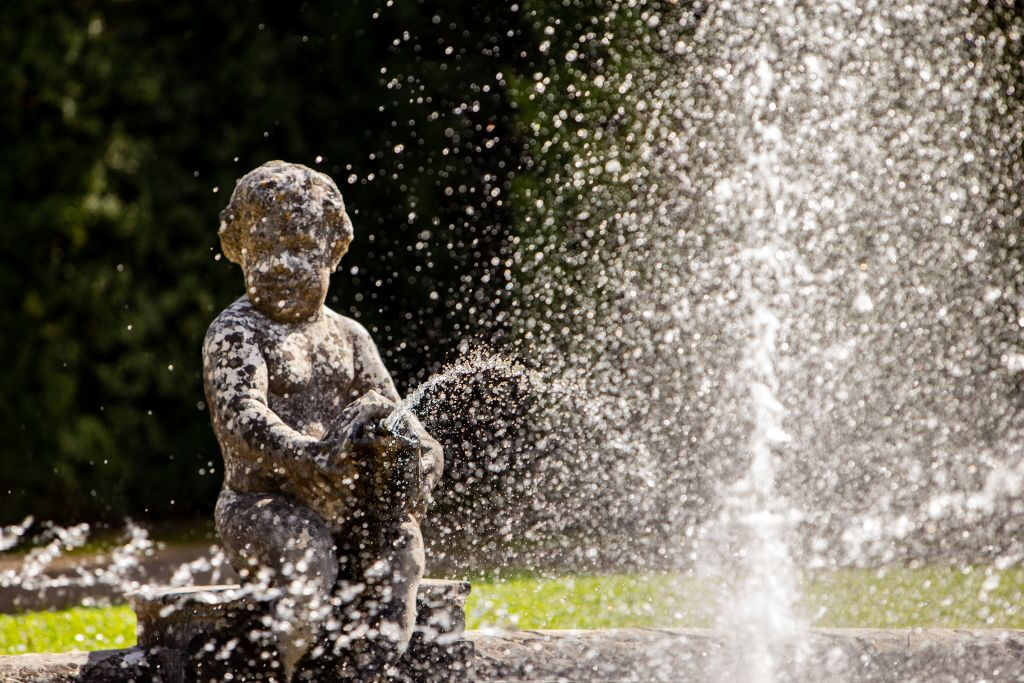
(125, 126)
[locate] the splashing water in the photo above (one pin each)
(11, 536)
(46, 569)
(760, 614)
(798, 297)
(472, 364)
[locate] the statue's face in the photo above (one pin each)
(287, 268)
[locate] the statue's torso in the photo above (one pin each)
(310, 381)
(309, 371)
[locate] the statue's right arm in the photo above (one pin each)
(236, 382)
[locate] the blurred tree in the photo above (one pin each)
(125, 126)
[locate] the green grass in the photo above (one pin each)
(607, 601)
(979, 597)
(81, 628)
(950, 597)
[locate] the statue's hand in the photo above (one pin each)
(360, 415)
(396, 476)
(385, 462)
(333, 459)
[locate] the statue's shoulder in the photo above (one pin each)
(238, 323)
(348, 327)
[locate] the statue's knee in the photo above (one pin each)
(276, 542)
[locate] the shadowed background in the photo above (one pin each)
(125, 126)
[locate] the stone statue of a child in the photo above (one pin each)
(319, 500)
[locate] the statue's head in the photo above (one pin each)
(287, 228)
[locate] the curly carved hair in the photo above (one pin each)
(307, 197)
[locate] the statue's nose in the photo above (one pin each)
(288, 269)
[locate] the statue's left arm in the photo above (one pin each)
(371, 375)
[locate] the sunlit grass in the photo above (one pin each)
(607, 601)
(949, 597)
(81, 628)
(979, 597)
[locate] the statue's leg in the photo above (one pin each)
(276, 543)
(394, 579)
(388, 565)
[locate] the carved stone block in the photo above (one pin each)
(222, 629)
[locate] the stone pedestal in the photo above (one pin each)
(648, 655)
(221, 629)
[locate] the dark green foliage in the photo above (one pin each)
(124, 127)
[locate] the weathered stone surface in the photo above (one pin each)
(104, 666)
(319, 497)
(427, 662)
(648, 655)
(46, 667)
(870, 655)
(604, 655)
(441, 608)
(214, 630)
(173, 617)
